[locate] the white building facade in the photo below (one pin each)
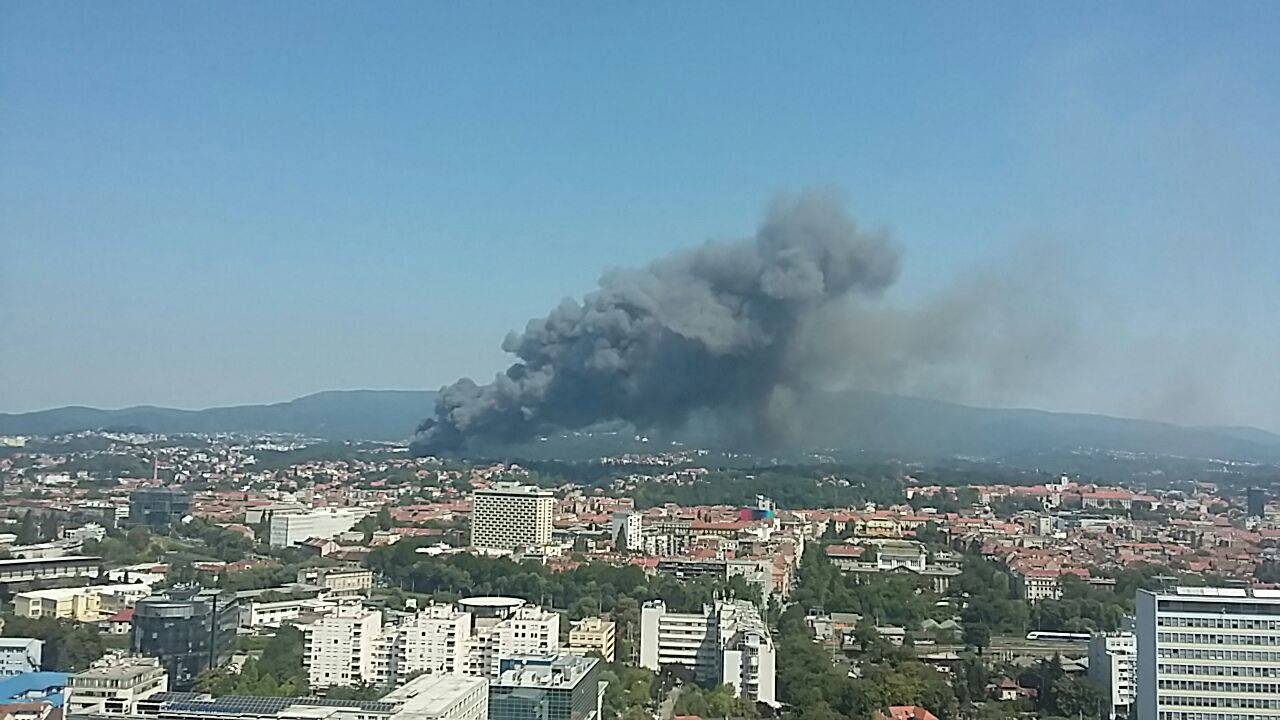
(627, 528)
(509, 515)
(436, 641)
(523, 630)
(20, 655)
(345, 648)
(441, 697)
(1113, 668)
(292, 529)
(115, 686)
(728, 643)
(352, 645)
(1208, 654)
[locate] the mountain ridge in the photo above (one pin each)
(849, 420)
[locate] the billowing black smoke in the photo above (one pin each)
(709, 328)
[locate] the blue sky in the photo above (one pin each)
(217, 203)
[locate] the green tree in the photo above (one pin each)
(68, 646)
(1074, 697)
(138, 538)
(977, 635)
(27, 533)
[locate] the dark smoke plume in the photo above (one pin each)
(706, 329)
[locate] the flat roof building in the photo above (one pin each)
(560, 687)
(20, 655)
(190, 630)
(509, 515)
(424, 698)
(725, 644)
(1112, 665)
(593, 635)
(1208, 654)
(15, 571)
(158, 507)
(115, 686)
(325, 523)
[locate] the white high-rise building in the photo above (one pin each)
(1112, 667)
(436, 641)
(347, 647)
(294, 528)
(1208, 654)
(510, 515)
(627, 528)
(728, 644)
(352, 645)
(503, 627)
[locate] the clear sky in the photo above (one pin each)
(219, 203)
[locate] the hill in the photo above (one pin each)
(849, 422)
(898, 425)
(335, 415)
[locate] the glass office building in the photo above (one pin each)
(557, 687)
(188, 629)
(158, 507)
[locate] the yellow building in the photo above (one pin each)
(593, 634)
(83, 604)
(880, 527)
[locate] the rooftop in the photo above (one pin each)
(432, 695)
(28, 685)
(122, 669)
(49, 561)
(491, 601)
(515, 488)
(544, 672)
(1220, 593)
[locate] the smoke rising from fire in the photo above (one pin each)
(712, 328)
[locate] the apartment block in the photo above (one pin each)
(593, 635)
(436, 641)
(509, 515)
(504, 627)
(19, 656)
(627, 529)
(725, 644)
(1113, 667)
(344, 648)
(352, 645)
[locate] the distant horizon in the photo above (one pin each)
(285, 401)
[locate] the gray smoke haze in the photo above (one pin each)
(991, 337)
(713, 328)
